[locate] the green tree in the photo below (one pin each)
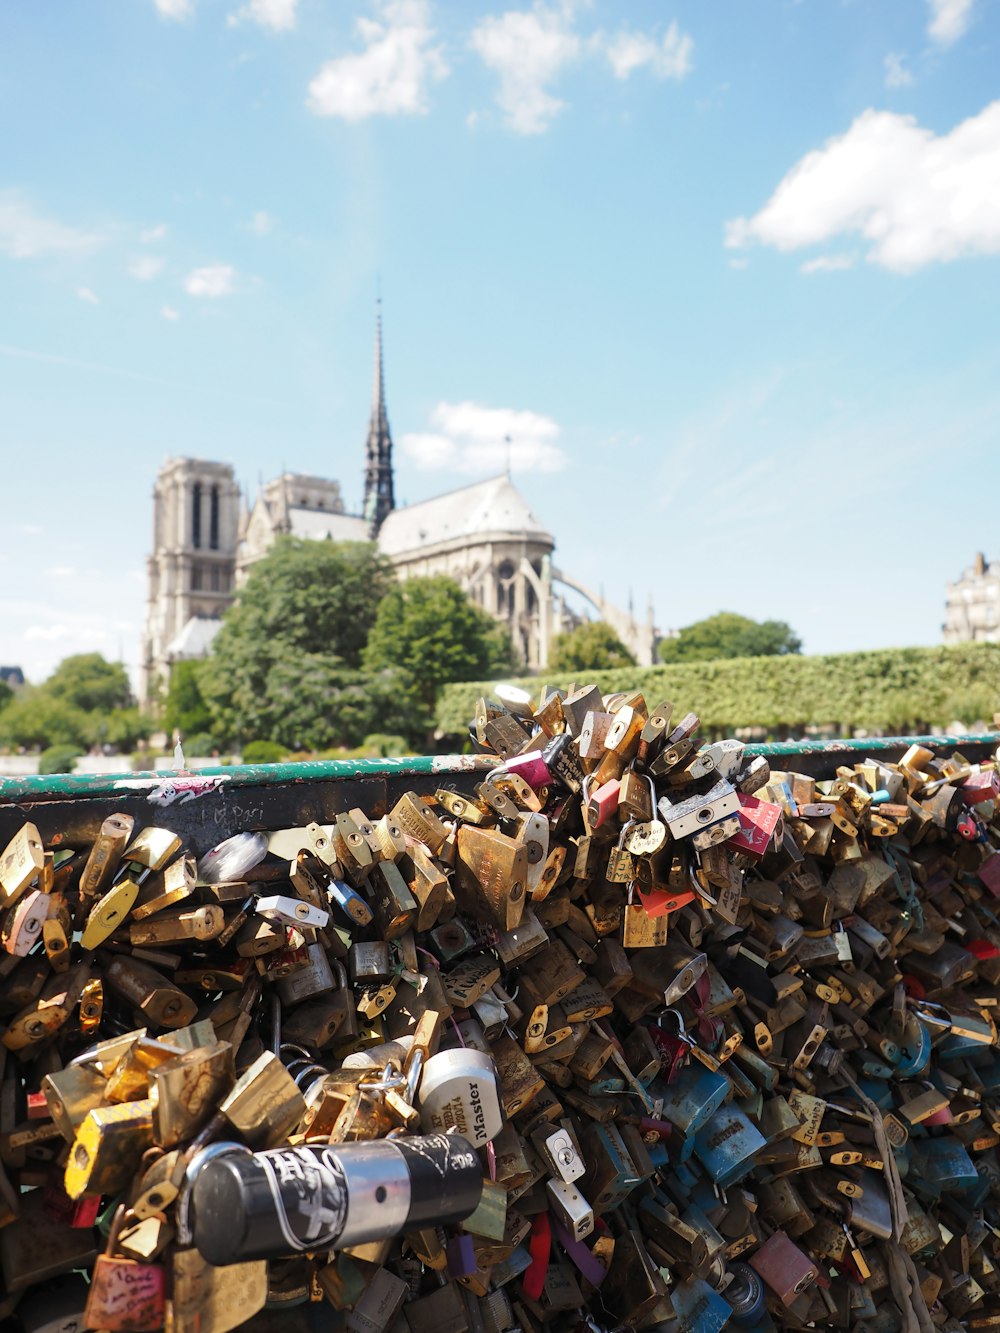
(122, 728)
(36, 719)
(90, 682)
(592, 646)
(727, 634)
(187, 710)
(303, 617)
(428, 628)
(6, 694)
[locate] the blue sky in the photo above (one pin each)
(728, 274)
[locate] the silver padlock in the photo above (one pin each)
(460, 1090)
(572, 1209)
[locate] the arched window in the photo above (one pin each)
(196, 515)
(213, 520)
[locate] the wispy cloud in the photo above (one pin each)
(468, 437)
(61, 571)
(86, 295)
(828, 264)
(390, 77)
(278, 15)
(168, 312)
(668, 57)
(896, 73)
(174, 9)
(213, 281)
(49, 633)
(262, 224)
(152, 234)
(948, 20)
(528, 49)
(26, 234)
(146, 267)
(917, 197)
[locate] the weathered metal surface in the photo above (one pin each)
(210, 804)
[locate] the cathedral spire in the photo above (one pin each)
(379, 499)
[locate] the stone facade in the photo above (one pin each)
(484, 536)
(972, 604)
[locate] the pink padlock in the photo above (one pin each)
(603, 802)
(532, 767)
(942, 1117)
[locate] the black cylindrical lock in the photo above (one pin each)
(321, 1197)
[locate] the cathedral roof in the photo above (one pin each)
(319, 523)
(485, 509)
(195, 638)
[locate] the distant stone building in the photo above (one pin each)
(12, 676)
(972, 604)
(485, 536)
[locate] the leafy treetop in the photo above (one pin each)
(727, 634)
(592, 646)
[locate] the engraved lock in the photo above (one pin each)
(459, 1090)
(490, 875)
(20, 862)
(21, 925)
(621, 863)
(125, 1296)
(687, 817)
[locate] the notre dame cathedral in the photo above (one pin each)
(485, 536)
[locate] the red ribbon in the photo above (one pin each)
(540, 1246)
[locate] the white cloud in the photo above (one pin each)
(29, 529)
(949, 20)
(168, 312)
(61, 571)
(668, 58)
(527, 49)
(174, 9)
(467, 437)
(917, 197)
(25, 234)
(278, 15)
(213, 280)
(896, 73)
(828, 264)
(146, 267)
(262, 223)
(85, 294)
(156, 233)
(390, 76)
(49, 633)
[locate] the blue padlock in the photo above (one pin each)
(692, 1099)
(942, 1166)
(914, 1048)
(727, 1145)
(699, 1308)
(745, 1297)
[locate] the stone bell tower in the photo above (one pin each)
(196, 514)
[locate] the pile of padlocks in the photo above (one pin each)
(642, 1034)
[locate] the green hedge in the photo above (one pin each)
(891, 690)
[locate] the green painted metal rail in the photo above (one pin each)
(97, 785)
(210, 804)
